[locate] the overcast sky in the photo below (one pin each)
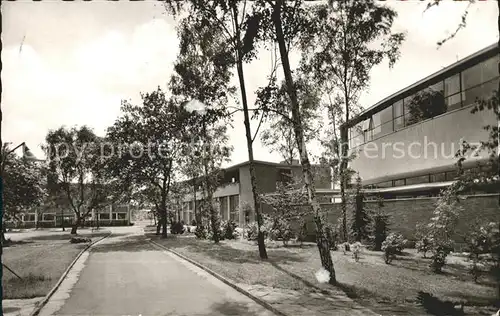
(72, 63)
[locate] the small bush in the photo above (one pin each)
(201, 232)
(439, 257)
(193, 222)
(251, 230)
(281, 230)
(177, 228)
(380, 230)
(331, 236)
(229, 230)
(356, 250)
(424, 246)
(393, 245)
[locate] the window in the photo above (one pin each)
(385, 184)
(121, 215)
(398, 115)
(409, 104)
(472, 77)
(438, 177)
(451, 175)
(223, 207)
(29, 217)
(481, 92)
(452, 92)
(417, 180)
(284, 175)
(367, 130)
(48, 217)
(234, 201)
(386, 115)
(356, 135)
(399, 182)
(191, 205)
(104, 216)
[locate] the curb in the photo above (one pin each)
(44, 301)
(224, 280)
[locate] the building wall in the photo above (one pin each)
(405, 214)
(378, 160)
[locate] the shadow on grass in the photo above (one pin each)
(222, 252)
(231, 308)
(9, 243)
(29, 286)
(133, 243)
(68, 236)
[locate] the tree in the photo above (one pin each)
(380, 226)
(351, 38)
(288, 207)
(24, 186)
(73, 153)
(145, 145)
(284, 23)
(238, 37)
(360, 225)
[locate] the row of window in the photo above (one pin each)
(52, 217)
(459, 90)
(427, 178)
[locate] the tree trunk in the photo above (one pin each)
(62, 220)
(343, 182)
(321, 241)
(74, 228)
(213, 216)
(498, 153)
(248, 134)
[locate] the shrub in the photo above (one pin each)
(424, 245)
(480, 241)
(229, 230)
(177, 228)
(193, 222)
(251, 230)
(201, 232)
(302, 233)
(356, 250)
(331, 236)
(281, 230)
(380, 230)
(392, 245)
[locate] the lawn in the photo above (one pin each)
(39, 261)
(387, 289)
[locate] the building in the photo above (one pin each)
(234, 194)
(405, 145)
(111, 215)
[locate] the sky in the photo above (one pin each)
(72, 63)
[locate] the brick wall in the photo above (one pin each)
(407, 213)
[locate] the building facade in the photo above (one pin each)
(111, 215)
(411, 137)
(234, 193)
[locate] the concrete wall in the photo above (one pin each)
(378, 160)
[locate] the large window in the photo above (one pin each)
(223, 207)
(452, 92)
(399, 121)
(48, 217)
(234, 201)
(461, 89)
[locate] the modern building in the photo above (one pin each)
(111, 215)
(405, 145)
(234, 194)
(411, 137)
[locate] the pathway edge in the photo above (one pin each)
(225, 280)
(44, 301)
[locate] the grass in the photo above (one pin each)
(40, 263)
(383, 288)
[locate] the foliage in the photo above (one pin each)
(201, 232)
(356, 250)
(360, 223)
(483, 243)
(251, 229)
(423, 244)
(425, 104)
(177, 228)
(229, 230)
(393, 245)
(24, 185)
(442, 225)
(331, 236)
(75, 165)
(287, 207)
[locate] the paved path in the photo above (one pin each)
(126, 275)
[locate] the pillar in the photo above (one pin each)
(110, 212)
